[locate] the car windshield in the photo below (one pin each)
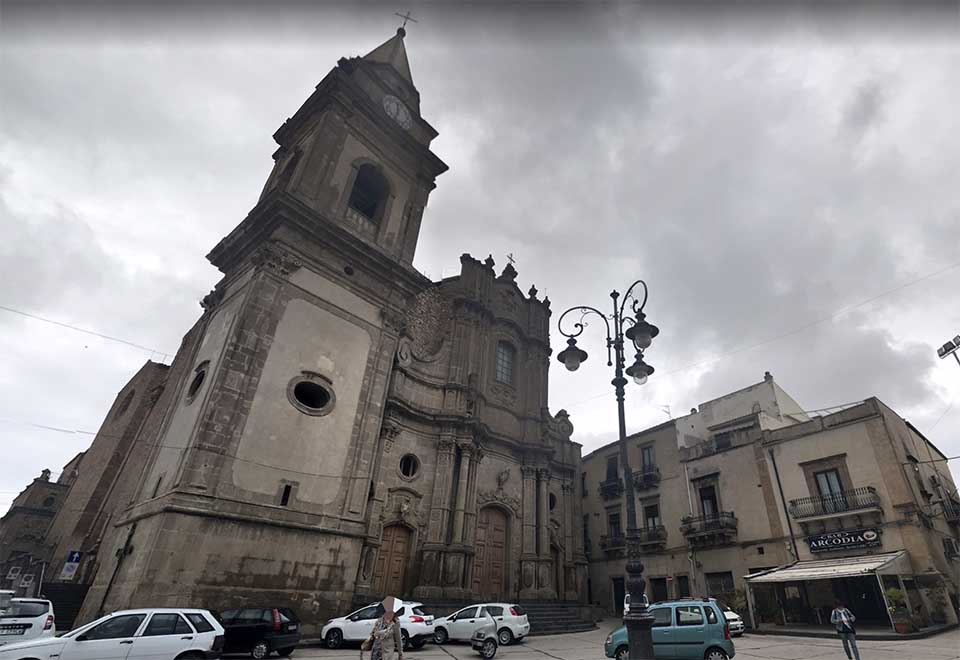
(24, 610)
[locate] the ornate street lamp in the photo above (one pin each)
(635, 328)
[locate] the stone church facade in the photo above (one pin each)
(337, 427)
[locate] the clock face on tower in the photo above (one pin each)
(397, 111)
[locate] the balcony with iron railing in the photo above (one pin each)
(611, 488)
(951, 511)
(715, 529)
(646, 477)
(651, 538)
(855, 500)
(613, 544)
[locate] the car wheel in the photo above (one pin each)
(489, 649)
(505, 637)
(440, 636)
(715, 654)
(405, 638)
(418, 643)
(190, 656)
(623, 653)
(286, 653)
(334, 639)
(260, 650)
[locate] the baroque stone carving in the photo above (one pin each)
(392, 321)
(405, 352)
(389, 432)
(528, 576)
(505, 393)
(212, 299)
(271, 256)
(558, 425)
(503, 477)
(499, 497)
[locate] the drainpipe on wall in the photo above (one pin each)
(783, 502)
(690, 556)
(121, 553)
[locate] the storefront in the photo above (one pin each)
(803, 593)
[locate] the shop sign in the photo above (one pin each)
(844, 539)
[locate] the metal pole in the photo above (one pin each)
(638, 620)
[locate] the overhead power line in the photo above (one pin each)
(61, 324)
(796, 330)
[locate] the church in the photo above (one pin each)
(336, 427)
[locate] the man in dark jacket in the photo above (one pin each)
(843, 619)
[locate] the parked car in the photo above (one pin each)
(147, 634)
(25, 619)
(685, 628)
(484, 640)
(260, 630)
(511, 620)
(416, 626)
(734, 620)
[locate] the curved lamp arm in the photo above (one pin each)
(579, 327)
(636, 305)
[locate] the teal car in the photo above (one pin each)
(686, 628)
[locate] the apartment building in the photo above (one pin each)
(750, 499)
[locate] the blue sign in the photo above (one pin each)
(73, 557)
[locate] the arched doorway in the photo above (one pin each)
(390, 574)
(490, 560)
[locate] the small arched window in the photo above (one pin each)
(506, 355)
(370, 192)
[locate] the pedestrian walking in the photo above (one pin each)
(844, 619)
(385, 639)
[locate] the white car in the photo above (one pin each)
(512, 623)
(734, 621)
(416, 626)
(148, 634)
(25, 619)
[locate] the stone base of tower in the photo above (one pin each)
(196, 559)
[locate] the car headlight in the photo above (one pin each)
(609, 639)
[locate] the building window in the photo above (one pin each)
(285, 495)
(719, 584)
(613, 467)
(583, 484)
(48, 502)
(613, 525)
(723, 440)
(311, 394)
(504, 365)
(646, 458)
(651, 516)
(199, 375)
(552, 500)
(709, 506)
(586, 530)
(683, 586)
(370, 193)
(410, 466)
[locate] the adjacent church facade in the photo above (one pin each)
(336, 427)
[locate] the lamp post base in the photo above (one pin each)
(639, 621)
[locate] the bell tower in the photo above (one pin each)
(357, 152)
(265, 440)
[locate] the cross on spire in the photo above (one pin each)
(406, 17)
(511, 259)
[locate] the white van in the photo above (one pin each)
(25, 619)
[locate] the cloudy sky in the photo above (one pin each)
(787, 184)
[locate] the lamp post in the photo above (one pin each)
(952, 347)
(634, 327)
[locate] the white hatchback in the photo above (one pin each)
(26, 619)
(512, 623)
(416, 626)
(148, 634)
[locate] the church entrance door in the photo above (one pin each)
(391, 570)
(490, 560)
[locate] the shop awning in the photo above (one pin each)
(825, 569)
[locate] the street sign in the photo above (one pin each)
(13, 573)
(26, 580)
(71, 565)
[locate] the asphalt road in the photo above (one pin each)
(589, 646)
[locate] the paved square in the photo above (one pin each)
(589, 646)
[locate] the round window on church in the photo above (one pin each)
(199, 375)
(311, 394)
(409, 466)
(553, 501)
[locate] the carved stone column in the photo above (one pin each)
(466, 456)
(429, 587)
(528, 556)
(546, 588)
